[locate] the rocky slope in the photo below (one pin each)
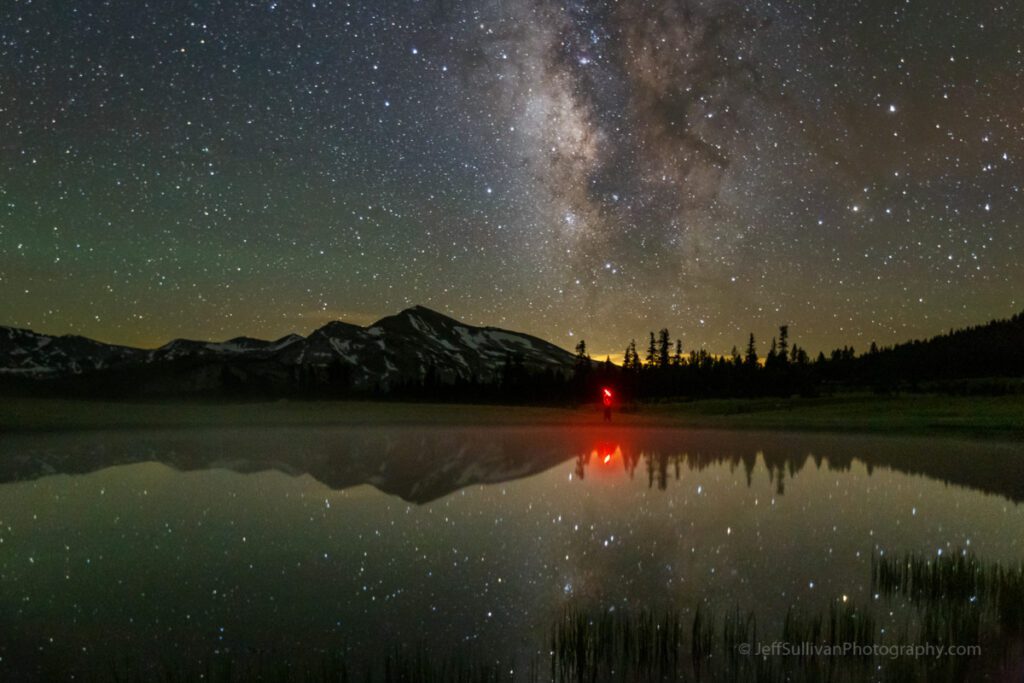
(416, 345)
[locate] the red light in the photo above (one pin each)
(604, 456)
(608, 392)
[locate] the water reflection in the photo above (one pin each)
(273, 541)
(416, 464)
(422, 464)
(992, 468)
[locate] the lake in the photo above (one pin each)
(149, 549)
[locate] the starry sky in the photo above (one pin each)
(569, 169)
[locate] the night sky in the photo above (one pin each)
(567, 169)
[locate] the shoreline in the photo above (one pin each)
(1000, 418)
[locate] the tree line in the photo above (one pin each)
(983, 359)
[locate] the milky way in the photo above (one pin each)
(574, 170)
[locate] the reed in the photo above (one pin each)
(960, 590)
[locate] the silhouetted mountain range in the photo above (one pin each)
(412, 347)
(422, 354)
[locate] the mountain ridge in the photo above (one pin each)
(412, 346)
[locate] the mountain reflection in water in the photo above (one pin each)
(293, 544)
(422, 464)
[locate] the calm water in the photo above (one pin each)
(285, 542)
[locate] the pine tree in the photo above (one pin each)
(627, 358)
(664, 348)
(800, 356)
(751, 358)
(582, 358)
(652, 352)
(783, 352)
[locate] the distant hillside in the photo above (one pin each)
(991, 351)
(421, 354)
(417, 347)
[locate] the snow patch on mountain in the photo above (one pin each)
(399, 348)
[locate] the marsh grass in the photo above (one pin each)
(960, 593)
(672, 646)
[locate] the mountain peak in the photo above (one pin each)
(399, 350)
(414, 318)
(424, 312)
